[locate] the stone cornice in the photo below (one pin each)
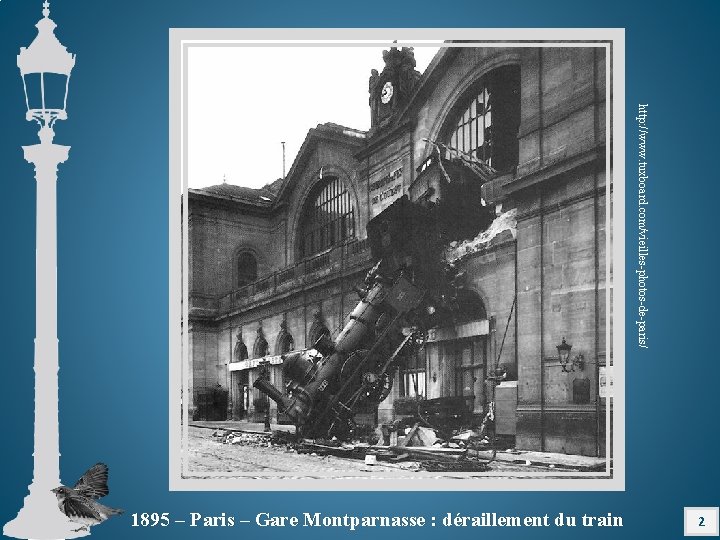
(564, 203)
(593, 158)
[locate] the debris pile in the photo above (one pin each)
(418, 448)
(278, 439)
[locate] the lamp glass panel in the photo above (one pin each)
(54, 87)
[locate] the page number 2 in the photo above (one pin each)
(701, 521)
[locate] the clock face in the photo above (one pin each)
(387, 92)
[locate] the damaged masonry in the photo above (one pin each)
(428, 294)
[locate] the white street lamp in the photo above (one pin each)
(45, 68)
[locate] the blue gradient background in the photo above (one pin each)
(113, 263)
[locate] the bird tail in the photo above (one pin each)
(113, 511)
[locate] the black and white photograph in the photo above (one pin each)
(403, 269)
(397, 262)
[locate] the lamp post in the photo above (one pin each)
(45, 68)
(564, 352)
(564, 356)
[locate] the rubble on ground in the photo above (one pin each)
(417, 448)
(251, 438)
(412, 445)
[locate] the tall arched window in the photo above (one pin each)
(328, 217)
(246, 268)
(316, 332)
(261, 347)
(287, 344)
(470, 306)
(485, 122)
(241, 352)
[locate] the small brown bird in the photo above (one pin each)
(78, 503)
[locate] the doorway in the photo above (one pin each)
(470, 360)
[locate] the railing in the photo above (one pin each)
(204, 302)
(286, 275)
(333, 260)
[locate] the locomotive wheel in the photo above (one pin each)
(342, 429)
(376, 387)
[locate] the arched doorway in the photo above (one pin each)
(456, 354)
(239, 382)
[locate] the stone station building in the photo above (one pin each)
(271, 269)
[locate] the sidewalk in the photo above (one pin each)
(241, 425)
(570, 461)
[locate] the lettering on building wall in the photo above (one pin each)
(382, 183)
(255, 362)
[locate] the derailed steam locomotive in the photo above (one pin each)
(405, 293)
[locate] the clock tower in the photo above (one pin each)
(391, 89)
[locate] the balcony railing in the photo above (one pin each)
(332, 261)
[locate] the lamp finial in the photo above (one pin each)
(46, 9)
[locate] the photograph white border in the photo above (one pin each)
(180, 40)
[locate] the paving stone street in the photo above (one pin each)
(207, 454)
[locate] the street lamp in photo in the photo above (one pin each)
(564, 356)
(45, 68)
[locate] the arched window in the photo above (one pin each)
(240, 353)
(328, 217)
(246, 268)
(287, 344)
(317, 332)
(261, 347)
(485, 123)
(470, 306)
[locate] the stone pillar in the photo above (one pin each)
(529, 286)
(40, 516)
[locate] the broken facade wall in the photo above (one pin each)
(466, 69)
(490, 275)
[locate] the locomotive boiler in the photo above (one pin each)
(326, 387)
(408, 287)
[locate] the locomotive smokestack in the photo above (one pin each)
(273, 393)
